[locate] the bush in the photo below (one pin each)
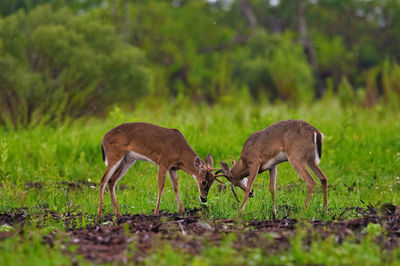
(56, 66)
(345, 92)
(276, 66)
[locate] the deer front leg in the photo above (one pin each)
(174, 181)
(272, 185)
(252, 176)
(161, 182)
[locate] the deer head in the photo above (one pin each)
(235, 180)
(205, 177)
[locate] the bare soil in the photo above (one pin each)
(134, 237)
(191, 234)
(110, 239)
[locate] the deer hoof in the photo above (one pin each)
(251, 193)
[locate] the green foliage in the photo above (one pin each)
(360, 158)
(345, 92)
(182, 47)
(353, 139)
(8, 7)
(3, 160)
(371, 87)
(333, 56)
(391, 82)
(61, 63)
(58, 66)
(319, 251)
(165, 255)
(28, 248)
(67, 59)
(383, 80)
(224, 254)
(373, 230)
(328, 252)
(266, 66)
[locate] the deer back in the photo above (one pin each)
(288, 136)
(153, 142)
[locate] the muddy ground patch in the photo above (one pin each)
(134, 237)
(191, 234)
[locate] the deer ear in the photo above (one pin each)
(209, 161)
(225, 168)
(198, 164)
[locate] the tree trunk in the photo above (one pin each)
(245, 7)
(127, 22)
(114, 10)
(308, 47)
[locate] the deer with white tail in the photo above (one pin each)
(167, 148)
(295, 141)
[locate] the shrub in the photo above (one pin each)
(56, 65)
(275, 65)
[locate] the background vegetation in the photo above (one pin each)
(56, 170)
(61, 60)
(361, 159)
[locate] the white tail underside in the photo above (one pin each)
(317, 159)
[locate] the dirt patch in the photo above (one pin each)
(191, 234)
(77, 184)
(12, 217)
(80, 184)
(134, 237)
(102, 243)
(36, 185)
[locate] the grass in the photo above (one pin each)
(322, 252)
(360, 157)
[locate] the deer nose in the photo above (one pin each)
(251, 193)
(203, 199)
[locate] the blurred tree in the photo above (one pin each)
(56, 65)
(267, 65)
(367, 30)
(248, 12)
(176, 36)
(346, 92)
(308, 46)
(8, 7)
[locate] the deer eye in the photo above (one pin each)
(203, 182)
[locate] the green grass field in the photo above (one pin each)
(360, 157)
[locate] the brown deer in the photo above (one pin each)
(295, 141)
(167, 148)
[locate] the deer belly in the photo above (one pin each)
(279, 158)
(133, 156)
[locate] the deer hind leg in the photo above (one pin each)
(161, 181)
(174, 180)
(253, 171)
(300, 167)
(119, 173)
(272, 186)
(321, 176)
(111, 168)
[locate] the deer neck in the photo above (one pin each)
(187, 164)
(239, 170)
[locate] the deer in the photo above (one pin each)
(295, 141)
(167, 148)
